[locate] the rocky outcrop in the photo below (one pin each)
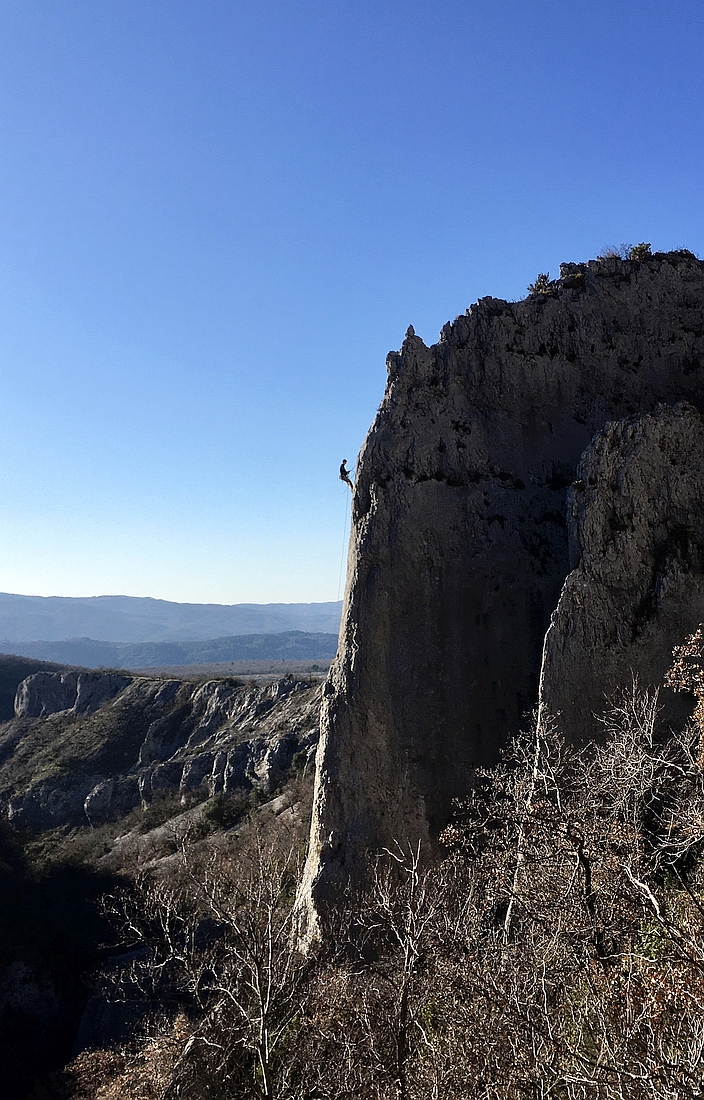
(51, 803)
(90, 747)
(47, 693)
(636, 524)
(107, 800)
(236, 739)
(459, 544)
(95, 688)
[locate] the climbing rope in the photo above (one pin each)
(344, 544)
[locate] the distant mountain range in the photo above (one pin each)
(293, 645)
(141, 619)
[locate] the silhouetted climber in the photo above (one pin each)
(345, 474)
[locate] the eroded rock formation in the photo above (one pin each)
(90, 747)
(459, 544)
(46, 693)
(636, 525)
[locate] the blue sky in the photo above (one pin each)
(217, 217)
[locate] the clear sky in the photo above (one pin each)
(217, 216)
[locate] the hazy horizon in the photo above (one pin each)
(159, 599)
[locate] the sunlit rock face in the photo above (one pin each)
(459, 544)
(89, 747)
(83, 692)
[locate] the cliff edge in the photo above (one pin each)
(459, 542)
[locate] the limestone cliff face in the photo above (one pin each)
(636, 519)
(83, 692)
(87, 747)
(459, 544)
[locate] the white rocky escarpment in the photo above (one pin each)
(145, 737)
(46, 693)
(459, 546)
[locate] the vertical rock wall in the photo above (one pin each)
(459, 543)
(636, 524)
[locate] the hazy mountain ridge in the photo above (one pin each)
(143, 619)
(293, 645)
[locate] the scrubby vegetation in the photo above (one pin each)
(543, 284)
(556, 951)
(638, 252)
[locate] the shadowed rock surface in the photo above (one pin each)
(459, 545)
(636, 520)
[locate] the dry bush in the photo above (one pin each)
(144, 1071)
(639, 252)
(217, 948)
(558, 951)
(581, 941)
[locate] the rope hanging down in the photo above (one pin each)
(344, 476)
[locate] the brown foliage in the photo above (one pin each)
(557, 952)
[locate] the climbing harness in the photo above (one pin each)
(345, 474)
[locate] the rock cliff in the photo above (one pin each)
(636, 525)
(459, 543)
(47, 693)
(86, 748)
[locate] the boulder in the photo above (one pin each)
(95, 688)
(237, 771)
(112, 799)
(197, 772)
(160, 778)
(46, 693)
(57, 801)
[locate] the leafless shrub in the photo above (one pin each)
(639, 251)
(217, 947)
(615, 252)
(584, 939)
(558, 950)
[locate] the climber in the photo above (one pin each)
(345, 474)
